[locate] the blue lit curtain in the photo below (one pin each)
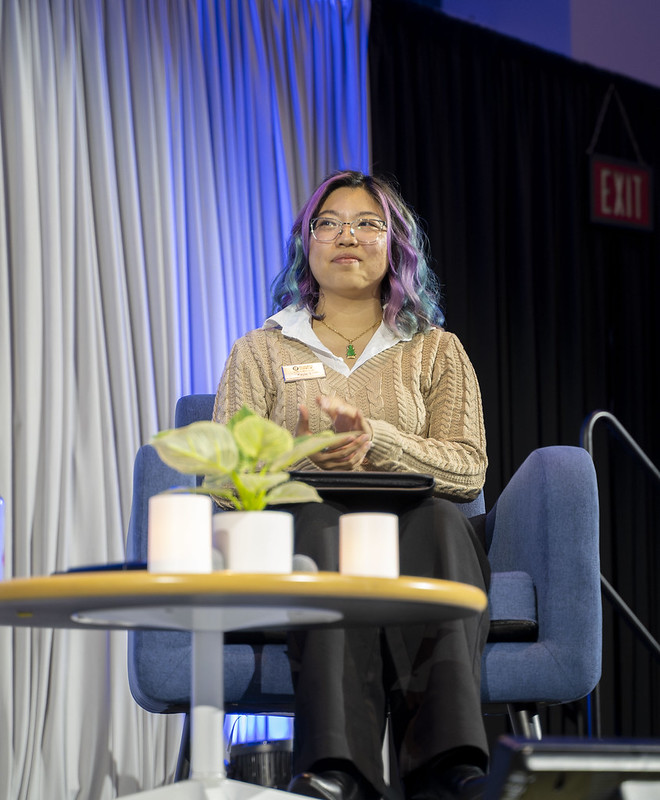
(152, 156)
(286, 85)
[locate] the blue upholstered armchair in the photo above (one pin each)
(545, 602)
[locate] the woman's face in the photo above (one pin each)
(343, 267)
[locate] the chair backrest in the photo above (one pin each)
(545, 527)
(193, 408)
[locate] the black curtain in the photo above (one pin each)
(487, 138)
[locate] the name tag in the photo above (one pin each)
(303, 372)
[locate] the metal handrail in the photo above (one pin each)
(637, 626)
(586, 438)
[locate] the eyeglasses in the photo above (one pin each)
(366, 230)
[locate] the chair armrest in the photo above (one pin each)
(150, 476)
(545, 523)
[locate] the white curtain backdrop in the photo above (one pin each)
(152, 157)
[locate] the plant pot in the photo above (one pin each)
(254, 541)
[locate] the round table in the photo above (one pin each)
(211, 604)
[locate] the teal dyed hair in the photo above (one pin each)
(410, 293)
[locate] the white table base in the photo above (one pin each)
(208, 779)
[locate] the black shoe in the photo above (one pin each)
(462, 782)
(330, 785)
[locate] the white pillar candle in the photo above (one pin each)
(369, 545)
(179, 533)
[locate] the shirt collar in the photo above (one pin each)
(296, 323)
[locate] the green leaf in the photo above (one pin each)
(227, 494)
(197, 449)
(256, 502)
(214, 492)
(261, 439)
(244, 461)
(217, 483)
(306, 445)
(265, 482)
(293, 492)
(242, 413)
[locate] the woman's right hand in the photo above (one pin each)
(347, 455)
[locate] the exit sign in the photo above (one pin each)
(621, 193)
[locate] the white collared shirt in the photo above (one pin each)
(296, 323)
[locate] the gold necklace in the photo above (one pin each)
(350, 350)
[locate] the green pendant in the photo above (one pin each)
(350, 351)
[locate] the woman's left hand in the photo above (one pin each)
(344, 416)
(348, 418)
(348, 454)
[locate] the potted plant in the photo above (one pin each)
(244, 464)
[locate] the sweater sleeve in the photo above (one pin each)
(454, 449)
(246, 379)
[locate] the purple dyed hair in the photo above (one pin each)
(409, 292)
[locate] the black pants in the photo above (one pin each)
(427, 675)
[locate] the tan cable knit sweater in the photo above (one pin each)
(420, 397)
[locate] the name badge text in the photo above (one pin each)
(303, 372)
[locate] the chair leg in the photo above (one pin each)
(183, 761)
(525, 720)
